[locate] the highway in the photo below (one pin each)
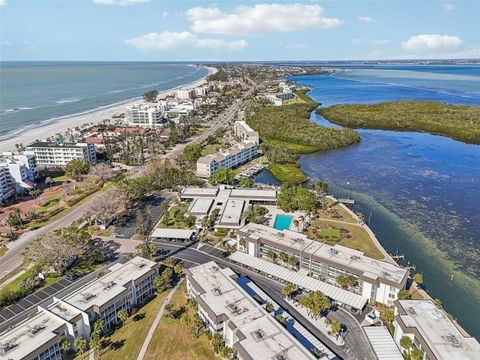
(14, 256)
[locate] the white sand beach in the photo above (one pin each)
(62, 124)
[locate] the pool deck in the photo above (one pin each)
(273, 211)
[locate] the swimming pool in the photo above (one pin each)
(282, 222)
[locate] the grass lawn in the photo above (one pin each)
(172, 339)
(210, 149)
(335, 233)
(287, 173)
(172, 223)
(61, 178)
(126, 342)
(3, 250)
(337, 209)
(296, 100)
(360, 239)
(15, 284)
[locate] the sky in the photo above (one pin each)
(108, 30)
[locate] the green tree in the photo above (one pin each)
(76, 168)
(288, 290)
(336, 327)
(65, 345)
(150, 96)
(292, 261)
(283, 256)
(81, 345)
(438, 303)
(389, 316)
(271, 255)
(416, 354)
(246, 182)
(164, 281)
(316, 303)
(418, 278)
(346, 281)
(403, 294)
(196, 326)
(406, 343)
(255, 214)
(223, 176)
(123, 316)
(192, 152)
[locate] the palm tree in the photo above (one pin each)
(296, 223)
(81, 345)
(18, 214)
(335, 326)
(49, 181)
(292, 261)
(271, 255)
(406, 343)
(123, 316)
(65, 345)
(283, 256)
(35, 193)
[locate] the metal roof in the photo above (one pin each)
(172, 233)
(382, 343)
(340, 295)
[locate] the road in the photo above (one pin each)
(357, 346)
(14, 258)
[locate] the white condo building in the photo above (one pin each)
(7, 185)
(125, 286)
(245, 325)
(245, 132)
(377, 280)
(145, 115)
(235, 156)
(433, 332)
(185, 94)
(22, 168)
(55, 155)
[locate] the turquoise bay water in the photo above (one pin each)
(420, 192)
(282, 222)
(35, 92)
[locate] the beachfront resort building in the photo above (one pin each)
(58, 155)
(433, 332)
(145, 115)
(231, 158)
(245, 325)
(229, 202)
(22, 168)
(377, 281)
(245, 132)
(125, 286)
(185, 94)
(202, 90)
(7, 186)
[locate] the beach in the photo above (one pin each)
(95, 116)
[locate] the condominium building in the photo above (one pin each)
(57, 155)
(433, 332)
(377, 281)
(245, 325)
(235, 156)
(125, 287)
(22, 168)
(229, 202)
(7, 185)
(145, 115)
(245, 132)
(202, 90)
(185, 94)
(38, 338)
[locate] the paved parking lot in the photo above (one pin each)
(125, 226)
(31, 301)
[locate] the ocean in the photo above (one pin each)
(32, 93)
(420, 192)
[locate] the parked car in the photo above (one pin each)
(71, 276)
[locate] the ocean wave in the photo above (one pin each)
(14, 110)
(68, 100)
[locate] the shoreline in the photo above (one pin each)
(61, 124)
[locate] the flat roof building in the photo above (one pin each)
(231, 203)
(231, 158)
(226, 308)
(173, 234)
(245, 132)
(145, 115)
(377, 280)
(58, 155)
(433, 332)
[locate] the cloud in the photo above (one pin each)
(360, 41)
(119, 2)
(365, 19)
(448, 7)
(183, 40)
(260, 19)
(433, 43)
(165, 14)
(3, 2)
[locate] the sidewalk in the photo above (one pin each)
(152, 329)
